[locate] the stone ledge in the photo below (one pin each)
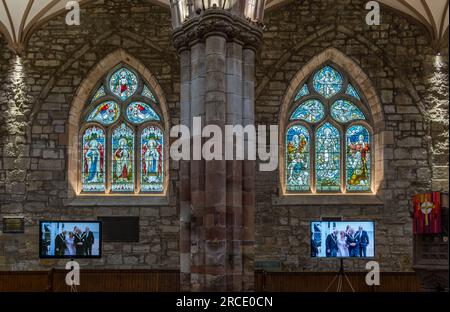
(89, 201)
(326, 199)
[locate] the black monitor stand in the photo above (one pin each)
(340, 277)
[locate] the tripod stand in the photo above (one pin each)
(340, 277)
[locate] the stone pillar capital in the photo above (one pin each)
(218, 23)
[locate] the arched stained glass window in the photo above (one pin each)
(152, 167)
(298, 159)
(123, 142)
(328, 82)
(93, 160)
(328, 150)
(106, 113)
(310, 111)
(123, 83)
(358, 158)
(327, 140)
(345, 111)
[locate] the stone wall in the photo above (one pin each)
(36, 92)
(399, 61)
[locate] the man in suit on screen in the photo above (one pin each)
(363, 242)
(331, 244)
(88, 241)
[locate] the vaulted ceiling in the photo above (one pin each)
(20, 18)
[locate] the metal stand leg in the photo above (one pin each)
(340, 276)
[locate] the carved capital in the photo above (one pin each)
(218, 22)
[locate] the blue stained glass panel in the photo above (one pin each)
(98, 94)
(304, 91)
(310, 111)
(352, 92)
(106, 113)
(122, 159)
(138, 112)
(93, 160)
(345, 111)
(327, 81)
(358, 165)
(149, 94)
(297, 159)
(152, 160)
(328, 146)
(123, 83)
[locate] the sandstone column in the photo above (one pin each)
(217, 198)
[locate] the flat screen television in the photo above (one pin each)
(70, 239)
(342, 239)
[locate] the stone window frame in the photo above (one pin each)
(375, 122)
(77, 124)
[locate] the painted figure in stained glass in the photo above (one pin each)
(327, 158)
(327, 81)
(105, 113)
(123, 146)
(358, 158)
(139, 112)
(152, 159)
(297, 159)
(93, 160)
(310, 111)
(123, 83)
(345, 111)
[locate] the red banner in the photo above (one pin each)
(427, 213)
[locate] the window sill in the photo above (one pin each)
(118, 200)
(326, 199)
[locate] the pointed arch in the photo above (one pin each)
(81, 99)
(360, 81)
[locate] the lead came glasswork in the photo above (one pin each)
(310, 111)
(358, 159)
(297, 159)
(149, 94)
(304, 91)
(138, 112)
(328, 158)
(106, 113)
(345, 111)
(152, 165)
(122, 159)
(327, 82)
(352, 92)
(99, 94)
(123, 83)
(93, 160)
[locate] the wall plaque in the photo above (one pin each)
(120, 229)
(13, 225)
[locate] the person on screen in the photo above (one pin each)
(79, 246)
(70, 243)
(342, 245)
(60, 244)
(88, 241)
(331, 244)
(363, 242)
(353, 243)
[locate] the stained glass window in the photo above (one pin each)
(124, 155)
(352, 92)
(345, 111)
(297, 159)
(138, 112)
(123, 83)
(310, 111)
(93, 160)
(358, 159)
(328, 173)
(99, 94)
(122, 159)
(106, 113)
(152, 161)
(304, 91)
(149, 94)
(327, 82)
